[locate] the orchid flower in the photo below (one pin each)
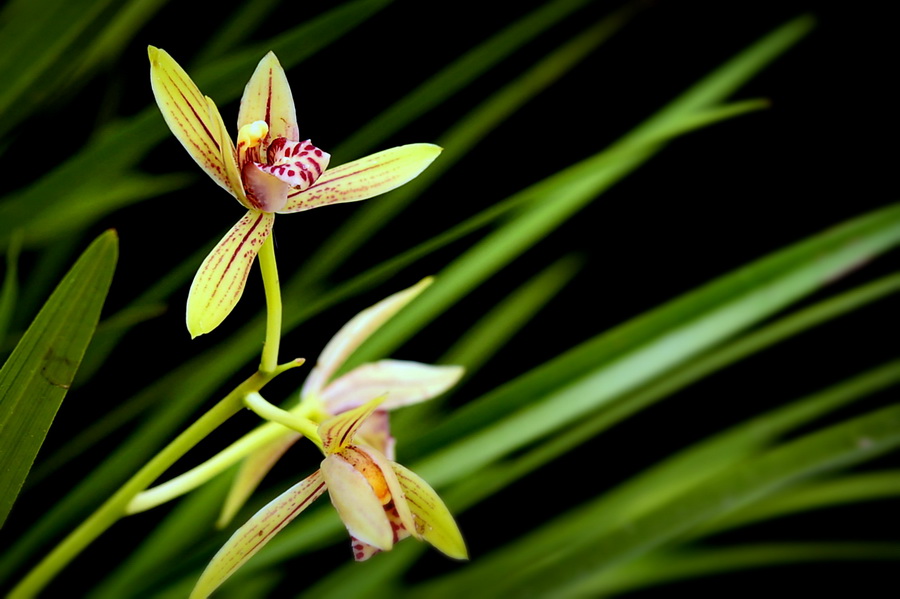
(401, 382)
(379, 501)
(269, 171)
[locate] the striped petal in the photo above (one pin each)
(354, 333)
(219, 283)
(433, 521)
(403, 383)
(258, 531)
(338, 431)
(228, 155)
(268, 98)
(364, 178)
(187, 114)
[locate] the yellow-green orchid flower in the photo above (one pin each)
(402, 383)
(269, 171)
(379, 501)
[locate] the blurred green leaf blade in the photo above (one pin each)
(35, 378)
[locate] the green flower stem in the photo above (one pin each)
(269, 269)
(115, 507)
(193, 478)
(273, 413)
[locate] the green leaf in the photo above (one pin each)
(576, 570)
(670, 566)
(35, 378)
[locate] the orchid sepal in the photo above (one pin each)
(404, 383)
(186, 112)
(364, 178)
(220, 281)
(351, 336)
(267, 97)
(256, 532)
(433, 521)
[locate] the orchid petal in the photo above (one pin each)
(393, 484)
(297, 163)
(404, 382)
(219, 283)
(433, 520)
(356, 503)
(267, 97)
(258, 531)
(352, 334)
(229, 158)
(253, 469)
(337, 432)
(376, 432)
(186, 112)
(264, 191)
(361, 179)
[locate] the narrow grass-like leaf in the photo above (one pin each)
(486, 337)
(460, 138)
(666, 338)
(661, 483)
(681, 564)
(845, 444)
(457, 75)
(814, 495)
(162, 551)
(559, 204)
(35, 378)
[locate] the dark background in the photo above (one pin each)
(709, 203)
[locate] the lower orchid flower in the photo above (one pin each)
(269, 171)
(402, 383)
(379, 501)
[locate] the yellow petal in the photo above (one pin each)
(337, 432)
(187, 114)
(268, 98)
(352, 334)
(228, 156)
(219, 283)
(404, 515)
(253, 470)
(405, 383)
(258, 531)
(356, 503)
(364, 178)
(434, 522)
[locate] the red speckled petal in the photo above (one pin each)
(219, 283)
(297, 163)
(258, 531)
(187, 114)
(364, 178)
(268, 98)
